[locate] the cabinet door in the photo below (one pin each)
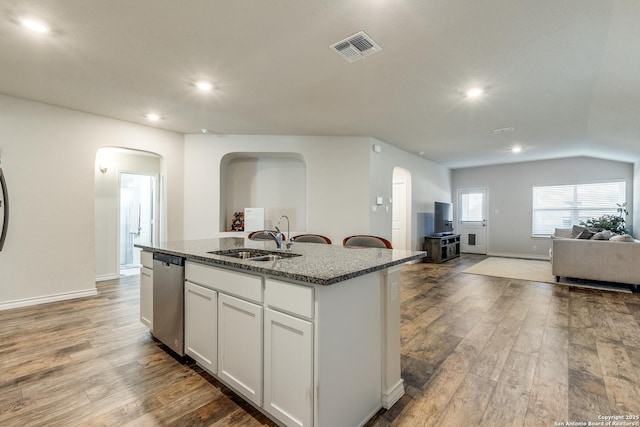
(201, 325)
(451, 251)
(146, 297)
(240, 346)
(288, 368)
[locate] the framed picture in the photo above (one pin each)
(237, 221)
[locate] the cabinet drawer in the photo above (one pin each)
(288, 297)
(146, 259)
(242, 285)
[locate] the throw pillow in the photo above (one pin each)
(622, 238)
(585, 234)
(576, 230)
(602, 235)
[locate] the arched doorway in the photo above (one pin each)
(401, 209)
(127, 188)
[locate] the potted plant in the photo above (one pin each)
(614, 223)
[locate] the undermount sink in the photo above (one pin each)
(271, 257)
(254, 254)
(243, 254)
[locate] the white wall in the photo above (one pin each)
(278, 184)
(337, 180)
(48, 156)
(430, 182)
(510, 196)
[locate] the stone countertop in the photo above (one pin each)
(318, 264)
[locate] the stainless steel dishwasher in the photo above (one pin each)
(168, 301)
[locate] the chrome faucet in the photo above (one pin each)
(289, 242)
(277, 237)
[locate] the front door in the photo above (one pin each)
(472, 222)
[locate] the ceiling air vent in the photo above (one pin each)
(356, 47)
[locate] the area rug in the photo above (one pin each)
(534, 271)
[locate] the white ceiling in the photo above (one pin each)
(564, 74)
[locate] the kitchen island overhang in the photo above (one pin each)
(318, 264)
(353, 317)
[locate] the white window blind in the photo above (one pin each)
(563, 206)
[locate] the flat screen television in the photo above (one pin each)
(443, 219)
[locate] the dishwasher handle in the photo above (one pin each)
(168, 259)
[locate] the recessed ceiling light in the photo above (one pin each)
(203, 130)
(35, 26)
(204, 86)
(153, 117)
(516, 149)
(474, 92)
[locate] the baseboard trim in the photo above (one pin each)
(391, 396)
(105, 277)
(520, 256)
(49, 298)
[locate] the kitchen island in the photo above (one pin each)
(310, 336)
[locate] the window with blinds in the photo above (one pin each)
(562, 206)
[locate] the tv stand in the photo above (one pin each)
(443, 234)
(441, 248)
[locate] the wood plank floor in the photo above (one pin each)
(476, 351)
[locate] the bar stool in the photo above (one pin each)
(368, 241)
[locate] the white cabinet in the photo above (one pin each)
(288, 352)
(306, 355)
(201, 325)
(240, 346)
(146, 297)
(288, 368)
(239, 325)
(146, 289)
(242, 285)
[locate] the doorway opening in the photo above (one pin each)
(401, 209)
(127, 209)
(137, 217)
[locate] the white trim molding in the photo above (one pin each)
(48, 298)
(391, 396)
(542, 257)
(105, 277)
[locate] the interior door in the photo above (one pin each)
(137, 213)
(472, 222)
